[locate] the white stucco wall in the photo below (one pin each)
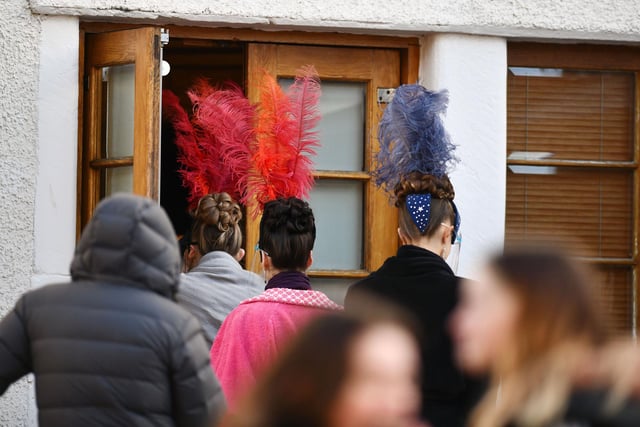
(473, 70)
(19, 57)
(573, 19)
(55, 219)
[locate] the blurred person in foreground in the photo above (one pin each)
(112, 348)
(215, 282)
(342, 370)
(253, 334)
(533, 325)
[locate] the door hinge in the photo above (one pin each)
(385, 94)
(164, 36)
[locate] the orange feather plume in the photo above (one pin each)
(285, 139)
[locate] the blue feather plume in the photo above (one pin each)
(412, 136)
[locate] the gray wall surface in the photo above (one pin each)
(573, 19)
(19, 41)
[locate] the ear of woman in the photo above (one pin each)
(240, 255)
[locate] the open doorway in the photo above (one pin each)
(190, 60)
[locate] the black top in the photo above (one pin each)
(112, 348)
(423, 283)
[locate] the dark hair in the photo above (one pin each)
(216, 224)
(302, 386)
(287, 233)
(442, 194)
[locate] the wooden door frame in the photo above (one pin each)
(141, 47)
(408, 48)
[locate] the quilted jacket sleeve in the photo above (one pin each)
(198, 400)
(15, 359)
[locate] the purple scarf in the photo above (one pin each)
(290, 280)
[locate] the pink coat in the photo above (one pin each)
(256, 332)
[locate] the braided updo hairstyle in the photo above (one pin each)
(442, 194)
(216, 224)
(287, 233)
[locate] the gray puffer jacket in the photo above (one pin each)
(112, 348)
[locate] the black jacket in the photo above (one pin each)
(112, 348)
(425, 285)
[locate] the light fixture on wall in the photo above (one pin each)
(165, 68)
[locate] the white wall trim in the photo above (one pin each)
(55, 212)
(474, 70)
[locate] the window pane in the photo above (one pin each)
(581, 115)
(338, 210)
(119, 82)
(616, 296)
(117, 180)
(336, 289)
(589, 210)
(341, 129)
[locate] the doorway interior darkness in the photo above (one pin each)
(190, 60)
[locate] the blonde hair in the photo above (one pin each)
(558, 328)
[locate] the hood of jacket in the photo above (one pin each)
(129, 241)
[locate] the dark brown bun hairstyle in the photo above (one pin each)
(287, 233)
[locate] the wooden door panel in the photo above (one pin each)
(140, 47)
(375, 67)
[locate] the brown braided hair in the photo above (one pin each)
(442, 194)
(216, 224)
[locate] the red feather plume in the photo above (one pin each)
(214, 147)
(285, 139)
(223, 120)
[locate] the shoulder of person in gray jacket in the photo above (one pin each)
(112, 347)
(214, 287)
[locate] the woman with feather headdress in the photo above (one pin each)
(415, 156)
(213, 282)
(280, 175)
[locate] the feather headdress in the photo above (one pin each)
(214, 147)
(285, 139)
(412, 137)
(223, 119)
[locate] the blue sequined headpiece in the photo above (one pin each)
(419, 207)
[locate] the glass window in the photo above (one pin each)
(341, 130)
(119, 82)
(338, 209)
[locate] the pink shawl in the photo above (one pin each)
(256, 332)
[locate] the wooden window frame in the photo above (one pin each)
(409, 50)
(596, 58)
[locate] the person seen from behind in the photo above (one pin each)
(532, 324)
(113, 348)
(412, 165)
(215, 282)
(254, 333)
